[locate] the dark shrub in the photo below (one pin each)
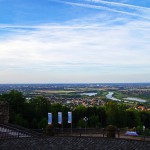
(111, 131)
(50, 130)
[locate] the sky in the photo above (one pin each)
(74, 41)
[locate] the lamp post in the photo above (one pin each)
(144, 131)
(85, 119)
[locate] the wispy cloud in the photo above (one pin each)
(120, 4)
(133, 10)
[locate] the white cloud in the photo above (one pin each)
(65, 45)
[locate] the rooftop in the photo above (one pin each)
(73, 143)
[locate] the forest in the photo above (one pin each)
(33, 113)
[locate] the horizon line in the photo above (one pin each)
(83, 83)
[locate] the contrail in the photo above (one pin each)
(120, 4)
(101, 8)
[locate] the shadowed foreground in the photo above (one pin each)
(73, 143)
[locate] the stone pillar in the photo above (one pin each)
(4, 112)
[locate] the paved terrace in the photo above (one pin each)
(73, 143)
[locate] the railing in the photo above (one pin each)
(99, 132)
(81, 131)
(14, 131)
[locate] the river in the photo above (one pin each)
(110, 96)
(89, 94)
(135, 99)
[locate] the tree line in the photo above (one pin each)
(33, 113)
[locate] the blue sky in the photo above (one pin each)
(74, 41)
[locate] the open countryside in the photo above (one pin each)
(96, 109)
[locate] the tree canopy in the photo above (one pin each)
(33, 113)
